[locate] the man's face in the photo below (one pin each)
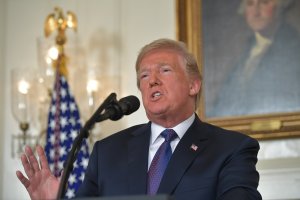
(167, 90)
(261, 14)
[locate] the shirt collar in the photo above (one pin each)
(180, 128)
(261, 40)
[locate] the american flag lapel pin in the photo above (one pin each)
(194, 147)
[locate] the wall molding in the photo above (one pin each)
(279, 178)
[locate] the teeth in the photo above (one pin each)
(156, 94)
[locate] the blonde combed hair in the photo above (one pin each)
(191, 67)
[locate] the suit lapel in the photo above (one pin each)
(138, 148)
(192, 143)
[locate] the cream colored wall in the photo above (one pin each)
(2, 14)
(133, 23)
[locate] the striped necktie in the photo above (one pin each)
(160, 161)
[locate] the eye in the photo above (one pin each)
(249, 2)
(165, 68)
(143, 75)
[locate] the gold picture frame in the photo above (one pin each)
(259, 126)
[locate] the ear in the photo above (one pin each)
(195, 86)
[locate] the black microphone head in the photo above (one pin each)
(129, 104)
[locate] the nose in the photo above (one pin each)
(257, 7)
(154, 80)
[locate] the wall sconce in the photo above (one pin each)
(92, 88)
(24, 108)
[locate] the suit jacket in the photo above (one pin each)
(222, 166)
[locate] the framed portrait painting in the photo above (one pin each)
(249, 55)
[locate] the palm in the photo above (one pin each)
(40, 185)
(40, 182)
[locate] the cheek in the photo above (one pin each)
(142, 86)
(143, 92)
(249, 15)
(269, 11)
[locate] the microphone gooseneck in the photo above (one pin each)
(109, 109)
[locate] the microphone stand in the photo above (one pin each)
(84, 133)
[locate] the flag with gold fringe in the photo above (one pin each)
(63, 126)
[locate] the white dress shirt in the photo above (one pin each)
(156, 139)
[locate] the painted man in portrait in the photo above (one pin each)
(265, 77)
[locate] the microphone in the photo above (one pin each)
(109, 109)
(129, 104)
(117, 109)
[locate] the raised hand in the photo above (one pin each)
(40, 182)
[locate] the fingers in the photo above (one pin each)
(26, 165)
(42, 157)
(30, 162)
(32, 159)
(23, 179)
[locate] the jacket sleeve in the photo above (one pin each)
(239, 178)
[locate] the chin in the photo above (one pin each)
(258, 27)
(154, 113)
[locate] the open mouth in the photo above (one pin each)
(156, 95)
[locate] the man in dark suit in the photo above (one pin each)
(175, 153)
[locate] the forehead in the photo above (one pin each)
(160, 56)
